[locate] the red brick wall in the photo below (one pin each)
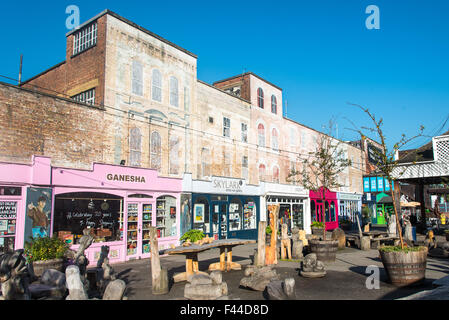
(33, 123)
(243, 81)
(77, 70)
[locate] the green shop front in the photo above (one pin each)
(223, 208)
(377, 197)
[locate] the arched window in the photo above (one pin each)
(137, 78)
(156, 86)
(261, 135)
(262, 172)
(274, 104)
(174, 155)
(156, 151)
(174, 93)
(135, 147)
(274, 140)
(260, 98)
(276, 174)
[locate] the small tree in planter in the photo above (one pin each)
(395, 258)
(321, 168)
(46, 253)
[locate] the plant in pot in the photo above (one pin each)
(46, 253)
(317, 228)
(404, 265)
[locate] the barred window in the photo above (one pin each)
(156, 91)
(86, 96)
(85, 38)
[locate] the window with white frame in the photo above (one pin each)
(86, 96)
(85, 38)
(244, 132)
(245, 173)
(137, 78)
(174, 93)
(226, 127)
(274, 104)
(260, 98)
(135, 147)
(275, 140)
(156, 86)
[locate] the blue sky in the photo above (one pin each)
(319, 52)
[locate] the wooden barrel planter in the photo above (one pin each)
(405, 268)
(325, 250)
(40, 266)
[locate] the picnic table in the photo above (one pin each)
(191, 253)
(376, 237)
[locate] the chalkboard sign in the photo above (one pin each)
(8, 209)
(96, 219)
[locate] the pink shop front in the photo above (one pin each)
(117, 203)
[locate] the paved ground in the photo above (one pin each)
(345, 279)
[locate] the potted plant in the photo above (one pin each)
(317, 228)
(404, 265)
(46, 253)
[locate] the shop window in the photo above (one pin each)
(261, 135)
(156, 86)
(201, 215)
(332, 209)
(235, 215)
(249, 214)
(10, 191)
(156, 151)
(174, 155)
(166, 222)
(74, 212)
(327, 211)
(8, 216)
(135, 147)
(298, 215)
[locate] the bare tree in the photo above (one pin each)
(321, 168)
(387, 162)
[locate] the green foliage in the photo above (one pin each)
(193, 235)
(44, 249)
(399, 249)
(268, 230)
(317, 224)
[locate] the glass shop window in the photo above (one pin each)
(8, 216)
(235, 215)
(327, 212)
(166, 223)
(333, 216)
(201, 215)
(103, 213)
(249, 214)
(298, 215)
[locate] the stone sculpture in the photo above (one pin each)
(14, 276)
(392, 227)
(339, 235)
(80, 259)
(286, 249)
(257, 278)
(206, 287)
(105, 273)
(312, 267)
(298, 246)
(408, 234)
(281, 290)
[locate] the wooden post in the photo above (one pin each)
(271, 250)
(261, 239)
(159, 276)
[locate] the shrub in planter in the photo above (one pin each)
(46, 253)
(317, 228)
(404, 266)
(193, 235)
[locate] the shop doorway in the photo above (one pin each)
(140, 215)
(219, 220)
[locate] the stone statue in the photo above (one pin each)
(392, 226)
(408, 234)
(297, 244)
(80, 259)
(14, 276)
(105, 273)
(312, 267)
